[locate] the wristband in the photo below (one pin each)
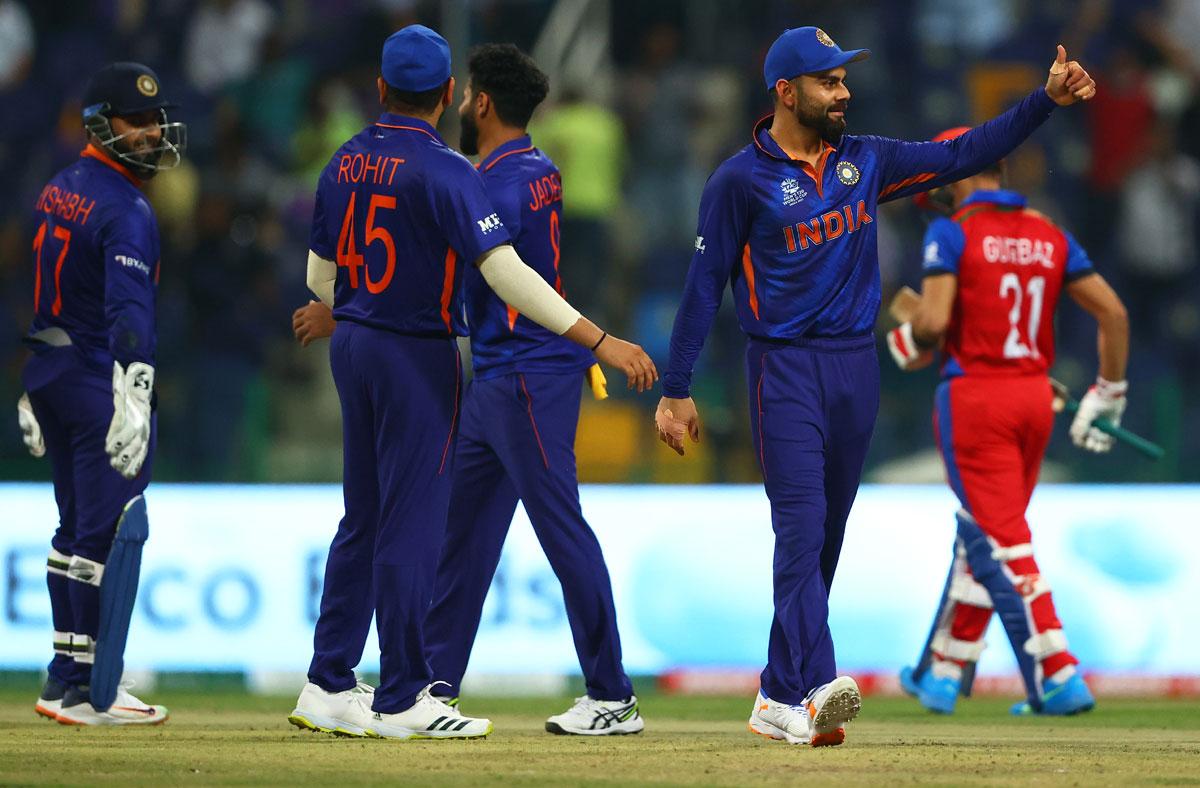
(603, 336)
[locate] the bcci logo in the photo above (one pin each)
(824, 38)
(147, 86)
(792, 193)
(847, 173)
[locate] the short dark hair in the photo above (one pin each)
(510, 77)
(407, 102)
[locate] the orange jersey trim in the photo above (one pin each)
(496, 161)
(895, 187)
(748, 270)
(448, 287)
(92, 152)
(533, 422)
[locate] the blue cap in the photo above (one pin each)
(123, 89)
(806, 50)
(415, 59)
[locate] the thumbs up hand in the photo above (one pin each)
(1068, 82)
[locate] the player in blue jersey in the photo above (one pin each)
(789, 221)
(89, 386)
(398, 217)
(517, 440)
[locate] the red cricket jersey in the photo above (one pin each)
(1012, 263)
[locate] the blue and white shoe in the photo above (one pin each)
(936, 694)
(1060, 699)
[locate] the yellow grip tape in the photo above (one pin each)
(597, 382)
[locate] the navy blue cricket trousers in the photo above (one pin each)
(73, 403)
(518, 441)
(813, 404)
(399, 397)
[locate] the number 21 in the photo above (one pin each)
(1036, 289)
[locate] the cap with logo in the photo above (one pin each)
(806, 50)
(415, 59)
(123, 89)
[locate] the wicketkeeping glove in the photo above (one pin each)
(128, 438)
(905, 351)
(1105, 399)
(31, 431)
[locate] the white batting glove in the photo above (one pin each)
(31, 431)
(1105, 399)
(128, 438)
(905, 351)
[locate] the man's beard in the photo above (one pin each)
(817, 118)
(468, 141)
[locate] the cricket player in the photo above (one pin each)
(789, 221)
(89, 401)
(993, 273)
(398, 217)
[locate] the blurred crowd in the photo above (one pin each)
(270, 88)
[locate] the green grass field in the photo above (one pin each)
(228, 737)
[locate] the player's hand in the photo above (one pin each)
(313, 321)
(676, 418)
(1105, 399)
(630, 359)
(904, 349)
(31, 431)
(1068, 82)
(128, 438)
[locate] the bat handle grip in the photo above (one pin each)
(1148, 448)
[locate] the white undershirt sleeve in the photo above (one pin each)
(524, 290)
(322, 274)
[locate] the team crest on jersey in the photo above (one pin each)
(792, 193)
(147, 85)
(847, 173)
(824, 38)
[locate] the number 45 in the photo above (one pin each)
(1036, 288)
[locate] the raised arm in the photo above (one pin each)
(912, 167)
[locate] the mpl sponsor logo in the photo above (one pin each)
(489, 223)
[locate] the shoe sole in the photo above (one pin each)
(48, 713)
(429, 735)
(64, 720)
(842, 706)
(615, 730)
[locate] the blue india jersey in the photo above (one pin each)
(798, 243)
(402, 215)
(525, 188)
(96, 261)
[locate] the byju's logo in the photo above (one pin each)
(700, 244)
(490, 223)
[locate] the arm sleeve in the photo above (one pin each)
(721, 233)
(1079, 264)
(525, 290)
(912, 167)
(322, 274)
(462, 210)
(944, 240)
(129, 243)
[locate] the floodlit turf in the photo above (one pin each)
(232, 738)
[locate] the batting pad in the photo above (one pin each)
(117, 594)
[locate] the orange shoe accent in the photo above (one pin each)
(767, 736)
(829, 739)
(764, 707)
(45, 712)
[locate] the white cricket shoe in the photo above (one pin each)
(831, 706)
(780, 721)
(50, 699)
(76, 709)
(591, 717)
(817, 721)
(429, 718)
(345, 713)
